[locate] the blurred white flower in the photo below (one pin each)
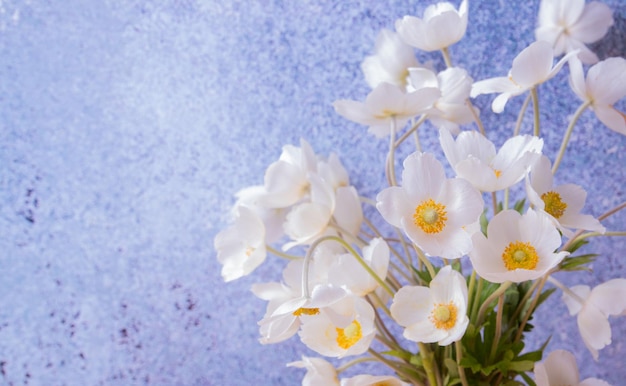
(570, 24)
(359, 281)
(435, 314)
(347, 328)
(441, 26)
(241, 247)
(604, 300)
(384, 103)
(531, 67)
(474, 158)
(562, 203)
(372, 380)
(318, 372)
(559, 369)
(431, 209)
(391, 60)
(451, 109)
(605, 84)
(517, 247)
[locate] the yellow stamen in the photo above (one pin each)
(443, 316)
(553, 204)
(430, 216)
(306, 311)
(497, 172)
(347, 337)
(518, 255)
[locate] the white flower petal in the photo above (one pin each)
(533, 64)
(593, 24)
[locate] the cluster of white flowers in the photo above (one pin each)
(333, 296)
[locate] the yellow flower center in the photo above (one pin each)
(443, 316)
(553, 204)
(518, 255)
(347, 337)
(497, 172)
(306, 311)
(430, 216)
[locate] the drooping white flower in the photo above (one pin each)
(531, 67)
(318, 371)
(285, 180)
(517, 248)
(359, 281)
(605, 85)
(451, 109)
(391, 60)
(384, 103)
(604, 300)
(474, 158)
(346, 329)
(372, 380)
(310, 220)
(241, 247)
(435, 314)
(570, 24)
(562, 203)
(441, 26)
(431, 209)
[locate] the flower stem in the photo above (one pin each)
(531, 309)
(281, 254)
(567, 135)
(429, 364)
(412, 130)
(520, 117)
(483, 309)
(459, 355)
(391, 167)
(535, 98)
(446, 56)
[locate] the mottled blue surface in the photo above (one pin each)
(127, 126)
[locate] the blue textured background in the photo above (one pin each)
(127, 126)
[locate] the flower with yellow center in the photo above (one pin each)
(518, 247)
(436, 313)
(346, 328)
(432, 209)
(561, 203)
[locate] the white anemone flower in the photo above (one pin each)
(309, 221)
(318, 371)
(531, 67)
(441, 26)
(241, 247)
(605, 85)
(559, 369)
(431, 209)
(518, 247)
(391, 60)
(593, 307)
(285, 180)
(435, 314)
(347, 328)
(562, 203)
(373, 380)
(569, 25)
(451, 109)
(384, 103)
(359, 281)
(474, 158)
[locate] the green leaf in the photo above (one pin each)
(528, 379)
(398, 354)
(453, 368)
(577, 244)
(577, 263)
(484, 222)
(521, 366)
(519, 205)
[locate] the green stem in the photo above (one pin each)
(446, 56)
(425, 260)
(520, 117)
(429, 364)
(412, 130)
(531, 309)
(568, 133)
(483, 309)
(535, 98)
(354, 362)
(281, 254)
(395, 367)
(498, 331)
(477, 119)
(479, 290)
(459, 357)
(391, 167)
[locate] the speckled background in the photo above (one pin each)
(127, 126)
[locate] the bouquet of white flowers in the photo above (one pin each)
(462, 268)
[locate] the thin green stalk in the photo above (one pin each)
(354, 362)
(498, 331)
(391, 167)
(395, 366)
(424, 259)
(567, 135)
(520, 116)
(476, 117)
(535, 98)
(429, 364)
(605, 215)
(459, 356)
(531, 309)
(412, 130)
(446, 56)
(479, 290)
(521, 304)
(281, 253)
(566, 290)
(483, 309)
